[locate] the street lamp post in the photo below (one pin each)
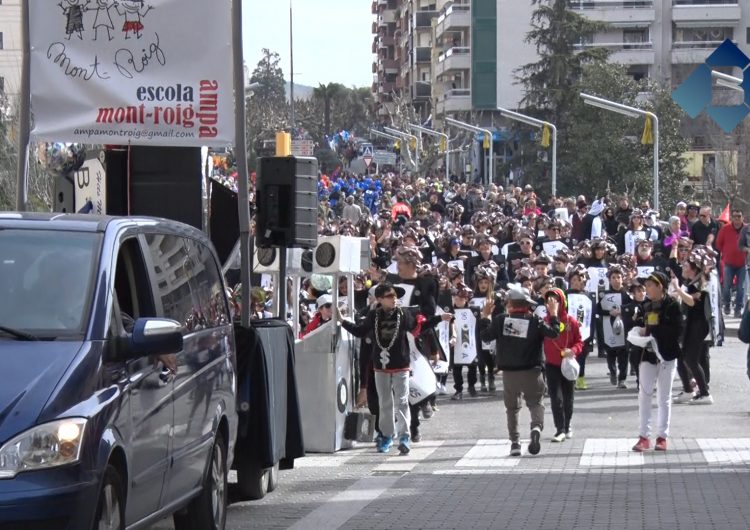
(468, 127)
(439, 135)
(404, 134)
(534, 122)
(632, 112)
(375, 132)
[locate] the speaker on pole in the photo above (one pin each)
(287, 202)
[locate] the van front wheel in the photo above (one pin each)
(208, 511)
(110, 509)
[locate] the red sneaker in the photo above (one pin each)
(643, 444)
(661, 444)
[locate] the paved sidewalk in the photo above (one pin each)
(462, 477)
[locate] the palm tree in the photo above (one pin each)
(327, 93)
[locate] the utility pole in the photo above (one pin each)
(291, 62)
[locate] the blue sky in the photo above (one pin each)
(332, 38)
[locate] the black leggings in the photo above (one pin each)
(695, 364)
(458, 377)
(561, 395)
(588, 347)
(617, 361)
(486, 366)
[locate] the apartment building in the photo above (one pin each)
(478, 44)
(10, 47)
(403, 45)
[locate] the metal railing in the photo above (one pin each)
(466, 8)
(456, 50)
(603, 4)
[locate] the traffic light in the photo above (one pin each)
(412, 143)
(443, 144)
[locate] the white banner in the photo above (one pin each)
(422, 381)
(91, 186)
(478, 303)
(597, 275)
(551, 247)
(443, 333)
(465, 350)
(129, 72)
(581, 308)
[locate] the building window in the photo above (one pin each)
(747, 35)
(701, 37)
(2, 85)
(1, 38)
(635, 38)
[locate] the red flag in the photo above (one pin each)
(724, 217)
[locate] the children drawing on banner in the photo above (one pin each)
(133, 11)
(73, 11)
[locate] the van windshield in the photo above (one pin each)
(47, 280)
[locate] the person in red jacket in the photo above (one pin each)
(401, 208)
(727, 242)
(568, 343)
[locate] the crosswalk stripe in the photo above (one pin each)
(418, 453)
(725, 450)
(489, 453)
(610, 452)
(322, 461)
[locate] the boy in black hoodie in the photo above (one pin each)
(520, 335)
(387, 326)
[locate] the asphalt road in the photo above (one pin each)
(460, 475)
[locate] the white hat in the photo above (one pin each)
(323, 300)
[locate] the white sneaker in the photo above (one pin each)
(569, 434)
(683, 397)
(559, 437)
(702, 400)
(442, 390)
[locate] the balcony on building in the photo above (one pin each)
(693, 44)
(385, 41)
(389, 66)
(617, 12)
(424, 54)
(456, 17)
(386, 17)
(374, 8)
(706, 12)
(423, 18)
(454, 59)
(386, 87)
(454, 100)
(421, 91)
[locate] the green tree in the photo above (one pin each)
(326, 94)
(604, 151)
(266, 108)
(559, 35)
(270, 76)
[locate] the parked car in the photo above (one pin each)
(118, 380)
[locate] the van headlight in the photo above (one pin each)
(53, 444)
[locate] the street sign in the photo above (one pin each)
(385, 158)
(367, 154)
(303, 148)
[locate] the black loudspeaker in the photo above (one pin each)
(167, 182)
(164, 182)
(224, 219)
(287, 202)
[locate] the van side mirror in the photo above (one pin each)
(155, 336)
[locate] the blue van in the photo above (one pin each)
(117, 374)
